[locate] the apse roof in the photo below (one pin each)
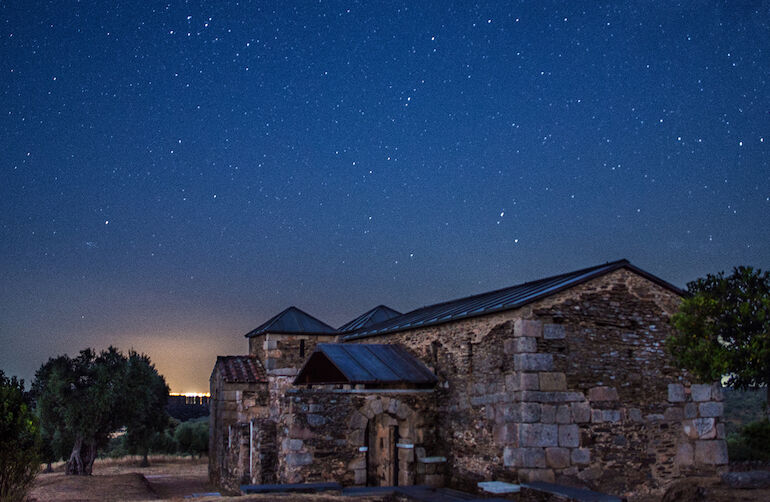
(374, 316)
(293, 321)
(498, 300)
(388, 364)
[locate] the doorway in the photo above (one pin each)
(382, 452)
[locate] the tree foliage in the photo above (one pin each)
(723, 328)
(19, 440)
(82, 400)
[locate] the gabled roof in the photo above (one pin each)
(240, 369)
(354, 363)
(378, 314)
(293, 321)
(499, 300)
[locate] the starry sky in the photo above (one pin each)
(174, 174)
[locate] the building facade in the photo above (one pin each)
(565, 380)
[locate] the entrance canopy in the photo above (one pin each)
(371, 365)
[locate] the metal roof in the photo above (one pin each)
(363, 363)
(294, 321)
(499, 300)
(378, 314)
(240, 369)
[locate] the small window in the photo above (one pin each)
(302, 348)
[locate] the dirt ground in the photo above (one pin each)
(172, 478)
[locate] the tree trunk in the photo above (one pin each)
(49, 467)
(767, 400)
(90, 457)
(75, 462)
(145, 460)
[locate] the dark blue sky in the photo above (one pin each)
(173, 175)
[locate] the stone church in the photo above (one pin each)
(564, 379)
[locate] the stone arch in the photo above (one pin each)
(393, 425)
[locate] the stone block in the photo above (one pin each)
(700, 392)
(533, 362)
(537, 434)
(684, 455)
(581, 412)
(676, 393)
(720, 431)
(315, 420)
(613, 416)
(529, 381)
(591, 474)
(711, 409)
(532, 475)
(563, 415)
(700, 428)
(357, 421)
(506, 434)
(581, 456)
(292, 444)
(597, 416)
(717, 394)
(548, 413)
(376, 406)
(526, 412)
(690, 410)
(552, 381)
(674, 413)
(357, 463)
(602, 394)
(554, 331)
(557, 458)
(434, 480)
(524, 457)
(524, 327)
(298, 459)
(524, 344)
(711, 452)
(569, 436)
(359, 476)
(635, 414)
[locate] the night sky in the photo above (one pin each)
(172, 175)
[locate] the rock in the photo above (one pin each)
(750, 479)
(700, 392)
(711, 409)
(676, 393)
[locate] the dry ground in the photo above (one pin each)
(174, 478)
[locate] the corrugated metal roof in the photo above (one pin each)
(495, 301)
(364, 364)
(378, 314)
(295, 321)
(240, 369)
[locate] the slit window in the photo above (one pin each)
(302, 348)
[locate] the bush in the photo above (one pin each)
(193, 436)
(19, 457)
(752, 442)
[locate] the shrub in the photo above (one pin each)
(752, 442)
(19, 458)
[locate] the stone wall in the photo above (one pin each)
(232, 408)
(573, 389)
(322, 435)
(285, 354)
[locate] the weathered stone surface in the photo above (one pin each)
(581, 456)
(521, 412)
(711, 409)
(749, 479)
(298, 459)
(591, 474)
(684, 454)
(557, 458)
(537, 434)
(705, 428)
(712, 452)
(315, 420)
(690, 410)
(581, 412)
(292, 444)
(553, 381)
(552, 397)
(506, 433)
(717, 393)
(554, 331)
(533, 362)
(569, 436)
(521, 344)
(547, 413)
(611, 416)
(676, 393)
(700, 392)
(524, 457)
(635, 414)
(532, 475)
(524, 327)
(673, 413)
(563, 414)
(602, 394)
